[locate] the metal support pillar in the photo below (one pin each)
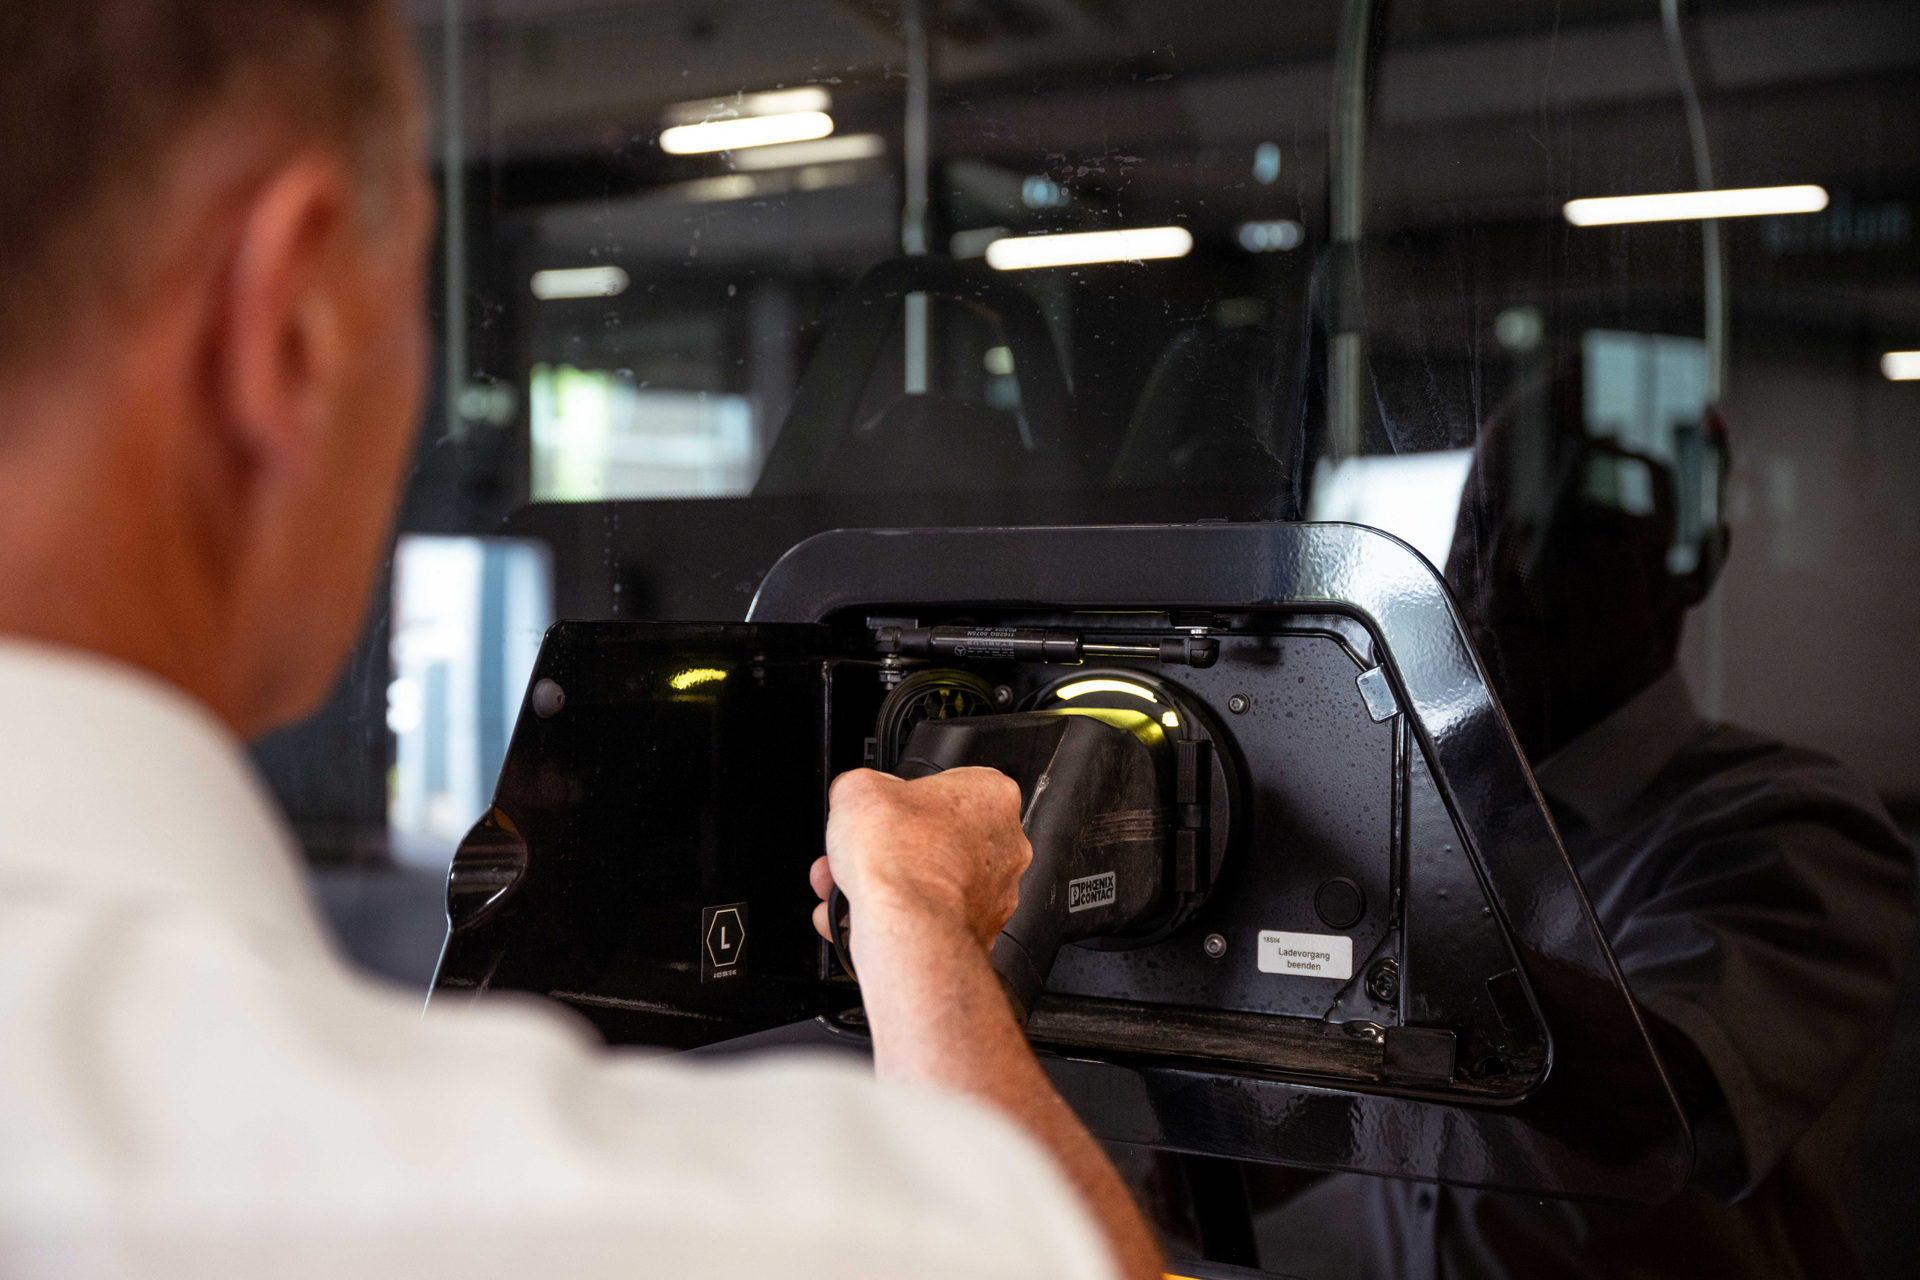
(913, 219)
(1346, 343)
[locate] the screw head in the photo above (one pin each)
(547, 699)
(1383, 980)
(1215, 945)
(1002, 695)
(1239, 703)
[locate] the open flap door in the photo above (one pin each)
(645, 859)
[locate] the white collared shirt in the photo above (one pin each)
(192, 1084)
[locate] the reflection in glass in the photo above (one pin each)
(468, 615)
(597, 435)
(1414, 496)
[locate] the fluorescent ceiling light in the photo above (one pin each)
(1901, 366)
(1077, 248)
(746, 186)
(778, 102)
(728, 186)
(579, 282)
(852, 146)
(1688, 206)
(747, 131)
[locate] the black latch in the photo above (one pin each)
(1193, 799)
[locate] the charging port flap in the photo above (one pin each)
(645, 857)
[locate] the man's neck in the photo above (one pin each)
(91, 557)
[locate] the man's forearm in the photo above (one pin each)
(939, 1017)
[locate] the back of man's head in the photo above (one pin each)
(212, 231)
(96, 97)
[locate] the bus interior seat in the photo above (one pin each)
(1199, 419)
(995, 412)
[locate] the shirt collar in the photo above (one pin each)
(1599, 773)
(116, 785)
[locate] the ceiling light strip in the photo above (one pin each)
(1901, 366)
(1081, 248)
(748, 131)
(1691, 206)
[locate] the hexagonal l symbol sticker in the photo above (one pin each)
(723, 941)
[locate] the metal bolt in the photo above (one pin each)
(1383, 980)
(1215, 945)
(1002, 695)
(547, 699)
(1238, 704)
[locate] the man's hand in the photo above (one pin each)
(932, 869)
(939, 855)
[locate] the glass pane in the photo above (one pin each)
(717, 276)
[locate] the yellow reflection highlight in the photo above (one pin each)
(1079, 687)
(696, 676)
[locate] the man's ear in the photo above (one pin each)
(288, 312)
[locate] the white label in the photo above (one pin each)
(1089, 892)
(1306, 955)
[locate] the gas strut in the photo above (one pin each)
(1010, 645)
